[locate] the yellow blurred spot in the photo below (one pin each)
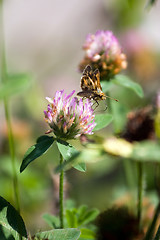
(118, 147)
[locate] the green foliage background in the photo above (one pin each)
(105, 181)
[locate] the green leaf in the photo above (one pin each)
(80, 166)
(106, 85)
(66, 149)
(11, 223)
(59, 234)
(87, 234)
(102, 120)
(69, 154)
(15, 84)
(68, 164)
(52, 220)
(125, 81)
(35, 151)
(71, 219)
(81, 213)
(88, 216)
(146, 151)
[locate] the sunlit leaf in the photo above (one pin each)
(15, 84)
(87, 234)
(125, 81)
(102, 120)
(59, 234)
(35, 151)
(11, 223)
(71, 219)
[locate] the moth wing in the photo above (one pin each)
(87, 84)
(97, 79)
(87, 70)
(87, 81)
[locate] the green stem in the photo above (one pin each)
(151, 229)
(61, 214)
(140, 193)
(12, 154)
(157, 179)
(129, 173)
(7, 116)
(157, 237)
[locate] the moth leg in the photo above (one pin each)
(95, 102)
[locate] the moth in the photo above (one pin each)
(91, 86)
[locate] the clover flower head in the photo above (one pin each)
(103, 42)
(103, 51)
(68, 116)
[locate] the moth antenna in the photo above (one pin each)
(113, 98)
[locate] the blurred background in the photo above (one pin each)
(44, 39)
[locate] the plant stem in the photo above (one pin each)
(7, 116)
(140, 193)
(12, 154)
(151, 229)
(157, 179)
(157, 237)
(129, 173)
(61, 178)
